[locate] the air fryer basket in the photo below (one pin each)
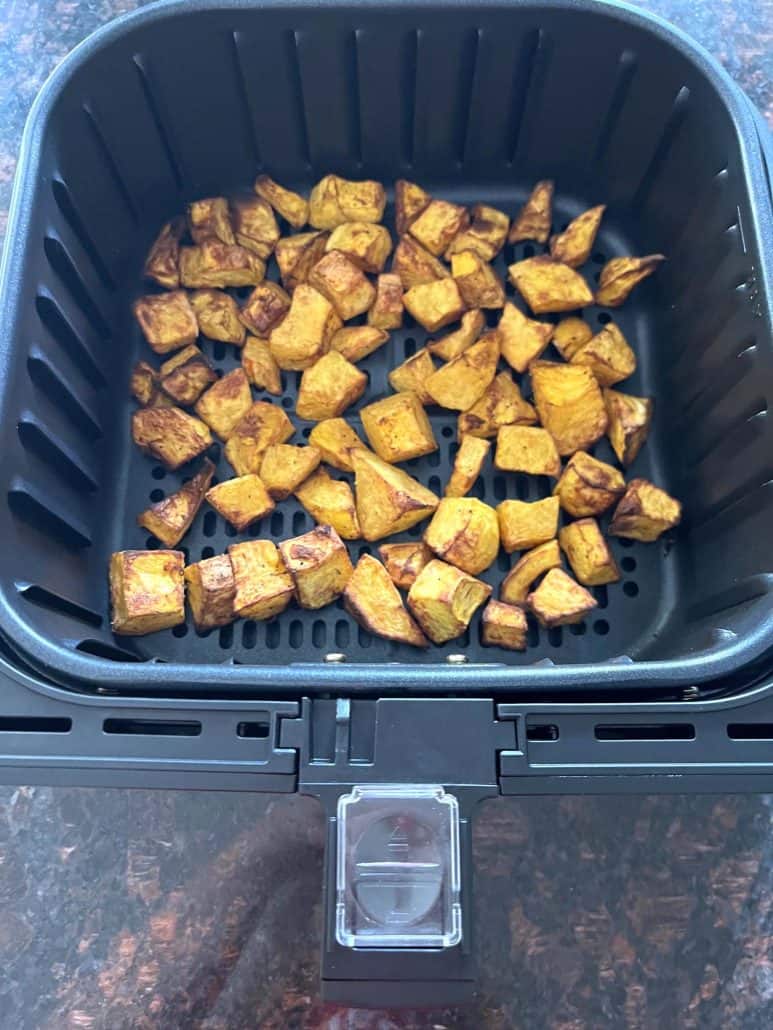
(475, 103)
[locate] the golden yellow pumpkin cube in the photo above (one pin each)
(588, 553)
(444, 599)
(291, 206)
(265, 308)
(319, 564)
(335, 200)
(529, 449)
(146, 591)
(453, 344)
(412, 374)
(186, 375)
(397, 428)
(210, 219)
(218, 316)
(264, 424)
(218, 265)
(263, 586)
(372, 599)
(389, 501)
(560, 601)
(504, 625)
(162, 262)
(330, 502)
(619, 276)
(410, 201)
(167, 321)
(404, 562)
(465, 532)
(486, 235)
(529, 567)
(467, 465)
(574, 244)
(259, 366)
(534, 219)
(521, 339)
(644, 512)
(304, 334)
(226, 403)
(170, 435)
(588, 486)
(170, 519)
(463, 381)
(255, 226)
(297, 255)
(629, 423)
(329, 387)
(210, 588)
(241, 501)
(438, 224)
(569, 335)
(478, 283)
(500, 405)
(335, 439)
(285, 467)
(569, 404)
(343, 283)
(416, 266)
(547, 285)
(365, 244)
(608, 356)
(144, 384)
(358, 341)
(524, 524)
(386, 311)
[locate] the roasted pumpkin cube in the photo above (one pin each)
(146, 591)
(574, 244)
(335, 200)
(629, 423)
(569, 404)
(263, 586)
(255, 226)
(467, 465)
(330, 502)
(386, 311)
(478, 283)
(529, 449)
(304, 334)
(504, 625)
(226, 403)
(358, 341)
(319, 564)
(335, 439)
(438, 224)
(404, 562)
(365, 244)
(210, 219)
(560, 601)
(218, 316)
(372, 599)
(259, 366)
(410, 201)
(463, 381)
(412, 374)
(170, 435)
(524, 524)
(167, 321)
(547, 285)
(534, 219)
(170, 519)
(284, 468)
(521, 339)
(241, 501)
(161, 264)
(644, 512)
(297, 255)
(210, 589)
(453, 344)
(569, 335)
(588, 553)
(465, 532)
(619, 276)
(265, 308)
(329, 387)
(388, 499)
(397, 428)
(444, 599)
(291, 206)
(529, 567)
(486, 235)
(217, 264)
(416, 266)
(500, 405)
(608, 356)
(186, 375)
(264, 424)
(588, 486)
(144, 383)
(343, 283)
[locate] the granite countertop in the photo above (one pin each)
(133, 909)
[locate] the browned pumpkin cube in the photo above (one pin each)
(435, 304)
(162, 261)
(478, 283)
(210, 219)
(619, 276)
(486, 235)
(404, 562)
(397, 428)
(372, 599)
(463, 381)
(255, 226)
(335, 439)
(411, 376)
(259, 366)
(608, 355)
(186, 375)
(365, 244)
(265, 308)
(170, 435)
(263, 586)
(438, 224)
(410, 201)
(304, 334)
(467, 465)
(504, 625)
(343, 283)
(444, 599)
(170, 519)
(644, 512)
(226, 403)
(358, 341)
(588, 553)
(263, 425)
(501, 404)
(167, 321)
(529, 567)
(389, 501)
(218, 316)
(629, 423)
(453, 344)
(330, 502)
(386, 311)
(524, 524)
(569, 403)
(569, 335)
(574, 244)
(588, 486)
(534, 219)
(241, 501)
(521, 339)
(465, 532)
(335, 200)
(527, 449)
(146, 591)
(285, 467)
(559, 601)
(218, 265)
(210, 589)
(291, 206)
(319, 564)
(297, 255)
(329, 387)
(144, 383)
(415, 266)
(547, 285)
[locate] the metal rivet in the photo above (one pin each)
(335, 657)
(456, 659)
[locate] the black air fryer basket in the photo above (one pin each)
(665, 688)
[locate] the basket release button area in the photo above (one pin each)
(397, 868)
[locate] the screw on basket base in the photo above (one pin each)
(335, 657)
(691, 693)
(456, 659)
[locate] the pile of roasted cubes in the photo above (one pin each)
(440, 275)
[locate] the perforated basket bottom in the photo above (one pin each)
(628, 612)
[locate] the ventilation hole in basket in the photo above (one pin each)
(299, 522)
(225, 637)
(185, 553)
(364, 549)
(600, 593)
(64, 202)
(231, 530)
(69, 340)
(306, 432)
(453, 449)
(415, 531)
(578, 629)
(340, 604)
(492, 317)
(156, 495)
(218, 370)
(152, 544)
(599, 258)
(509, 289)
(479, 489)
(503, 561)
(249, 634)
(180, 631)
(277, 523)
(625, 542)
(207, 552)
(630, 589)
(210, 524)
(158, 472)
(528, 251)
(409, 347)
(254, 530)
(433, 459)
(37, 441)
(287, 402)
(50, 381)
(218, 350)
(555, 636)
(447, 431)
(319, 633)
(601, 627)
(273, 635)
(214, 452)
(522, 488)
(342, 633)
(60, 261)
(628, 564)
(100, 649)
(603, 318)
(364, 639)
(435, 484)
(500, 488)
(532, 634)
(44, 598)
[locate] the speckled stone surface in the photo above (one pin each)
(135, 909)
